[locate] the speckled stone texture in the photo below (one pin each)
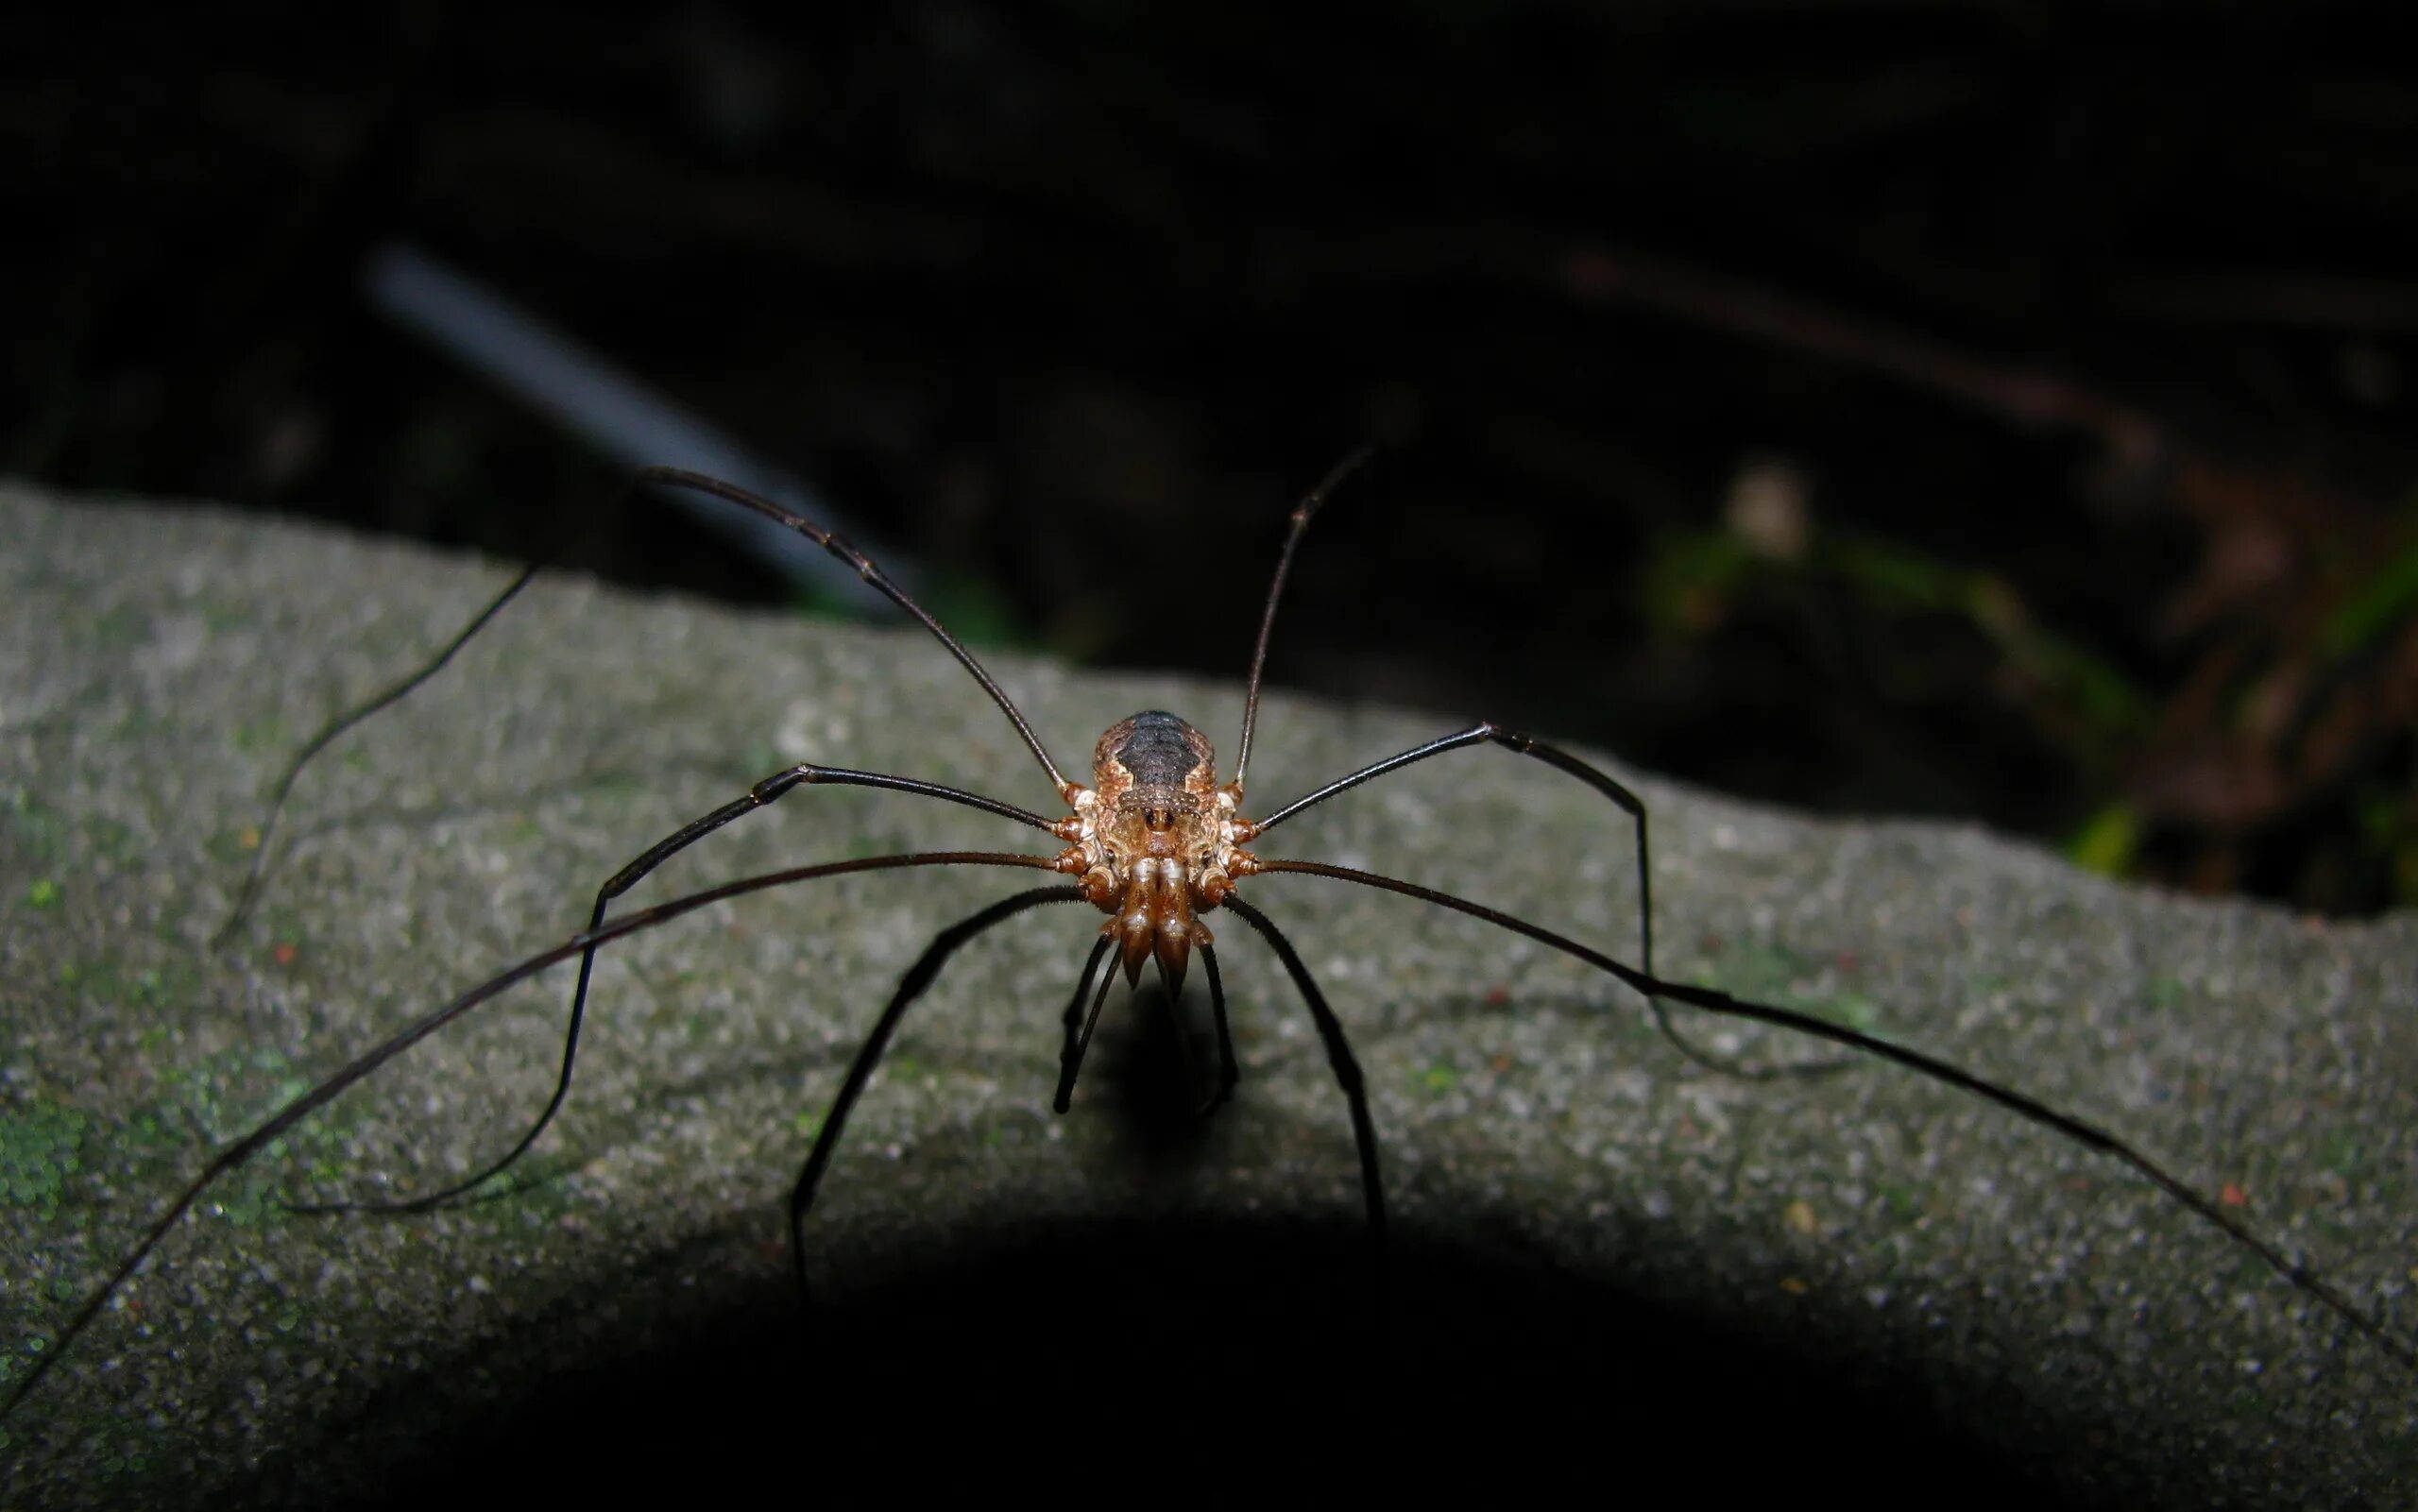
(1605, 1259)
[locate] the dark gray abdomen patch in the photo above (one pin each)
(1162, 751)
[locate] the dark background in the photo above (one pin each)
(2000, 410)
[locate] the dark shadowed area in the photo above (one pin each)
(1240, 1356)
(1999, 411)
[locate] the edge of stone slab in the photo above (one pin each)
(1859, 1214)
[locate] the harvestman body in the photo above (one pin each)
(1155, 843)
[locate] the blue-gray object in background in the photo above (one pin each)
(615, 412)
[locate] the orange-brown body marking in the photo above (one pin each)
(1156, 840)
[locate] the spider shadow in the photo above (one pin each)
(1152, 1072)
(1032, 1352)
(1029, 1349)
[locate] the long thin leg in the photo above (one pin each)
(1071, 1060)
(1069, 1052)
(2089, 1135)
(762, 795)
(1228, 1073)
(241, 1152)
(662, 477)
(336, 726)
(1079, 1027)
(918, 980)
(1303, 514)
(1485, 732)
(1347, 1075)
(836, 546)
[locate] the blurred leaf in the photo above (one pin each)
(2374, 608)
(974, 611)
(2388, 828)
(2108, 840)
(813, 601)
(1890, 572)
(1690, 577)
(2104, 697)
(978, 614)
(2088, 684)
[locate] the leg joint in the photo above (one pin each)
(782, 782)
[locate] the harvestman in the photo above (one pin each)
(1154, 842)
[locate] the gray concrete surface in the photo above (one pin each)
(158, 664)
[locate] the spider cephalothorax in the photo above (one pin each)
(1155, 839)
